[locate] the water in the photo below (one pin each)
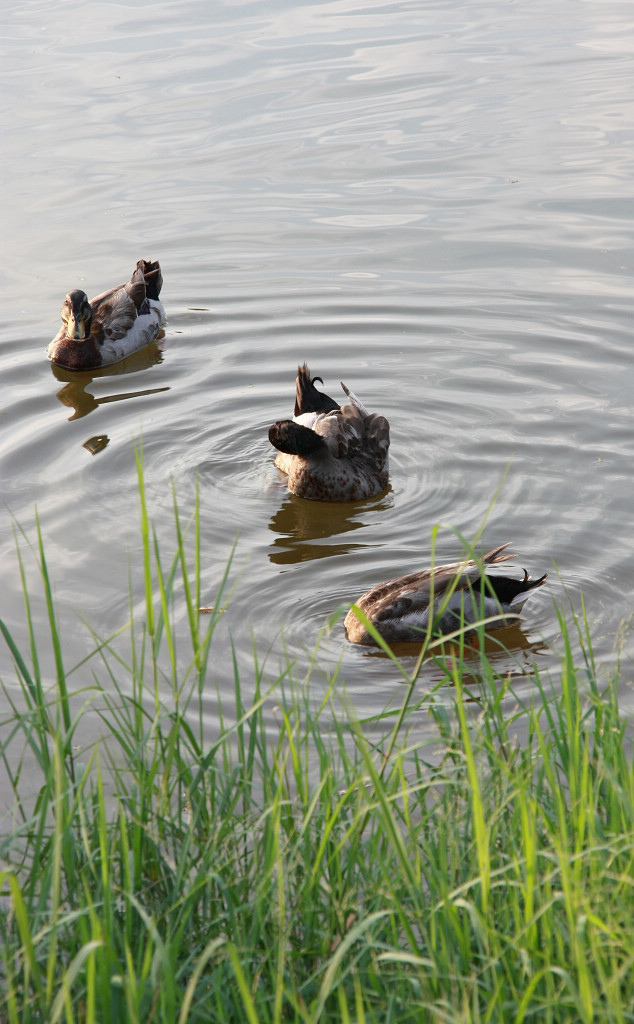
(432, 202)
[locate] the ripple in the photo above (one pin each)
(394, 198)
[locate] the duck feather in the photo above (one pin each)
(331, 452)
(113, 325)
(454, 593)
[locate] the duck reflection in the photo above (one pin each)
(75, 395)
(303, 527)
(96, 444)
(509, 651)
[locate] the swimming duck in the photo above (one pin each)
(400, 609)
(111, 326)
(331, 452)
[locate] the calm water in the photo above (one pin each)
(428, 200)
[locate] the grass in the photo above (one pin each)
(313, 874)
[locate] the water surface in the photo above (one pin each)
(429, 201)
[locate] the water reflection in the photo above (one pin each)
(300, 522)
(96, 444)
(75, 395)
(498, 326)
(510, 651)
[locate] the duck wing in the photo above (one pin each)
(416, 588)
(351, 435)
(115, 311)
(400, 608)
(354, 400)
(410, 595)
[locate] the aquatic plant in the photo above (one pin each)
(334, 870)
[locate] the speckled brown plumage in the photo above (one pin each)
(111, 326)
(400, 609)
(331, 452)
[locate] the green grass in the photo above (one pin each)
(316, 874)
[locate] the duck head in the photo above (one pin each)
(76, 313)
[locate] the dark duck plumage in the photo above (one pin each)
(111, 326)
(400, 609)
(331, 452)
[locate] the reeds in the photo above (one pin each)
(315, 874)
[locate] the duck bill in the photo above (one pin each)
(76, 328)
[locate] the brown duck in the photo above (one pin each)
(111, 326)
(331, 452)
(457, 593)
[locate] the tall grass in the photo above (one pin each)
(313, 875)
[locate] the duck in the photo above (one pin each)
(331, 452)
(456, 593)
(111, 326)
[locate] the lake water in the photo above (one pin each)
(429, 200)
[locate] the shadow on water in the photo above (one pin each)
(75, 395)
(304, 525)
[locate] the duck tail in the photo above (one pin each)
(294, 439)
(153, 278)
(307, 397)
(514, 593)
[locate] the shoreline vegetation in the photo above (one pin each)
(328, 872)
